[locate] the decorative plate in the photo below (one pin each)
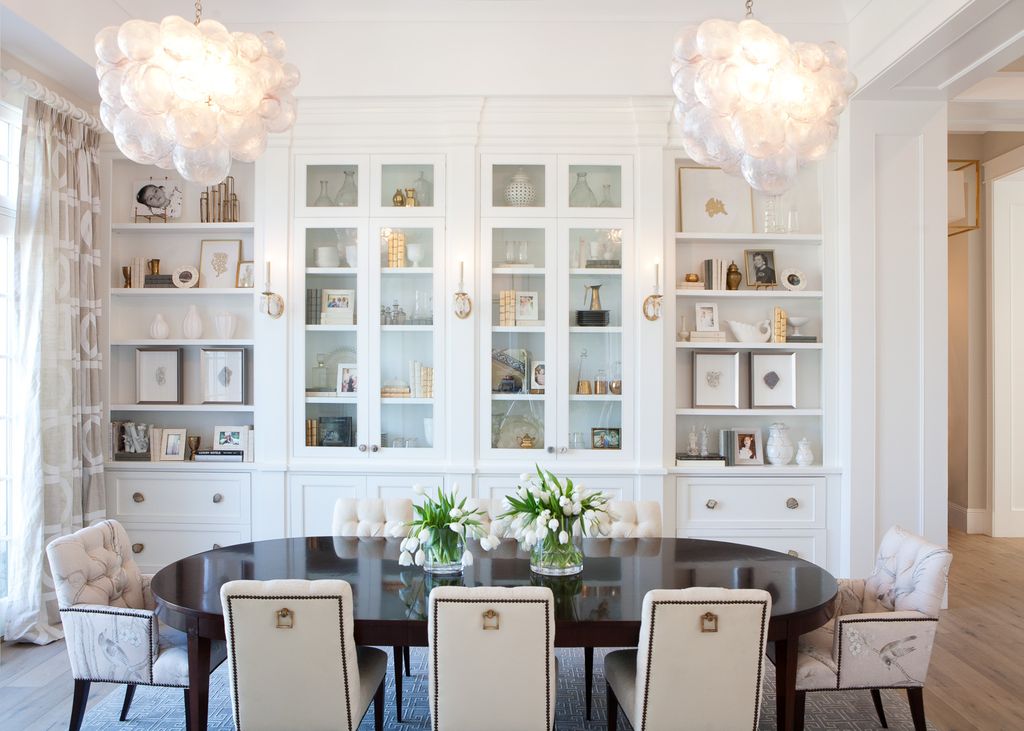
(793, 279)
(513, 428)
(185, 277)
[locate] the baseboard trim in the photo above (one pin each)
(969, 520)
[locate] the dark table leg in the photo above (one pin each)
(785, 682)
(198, 681)
(397, 656)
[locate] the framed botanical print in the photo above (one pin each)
(222, 375)
(773, 380)
(712, 201)
(218, 263)
(716, 379)
(158, 376)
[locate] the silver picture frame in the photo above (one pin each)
(222, 375)
(716, 379)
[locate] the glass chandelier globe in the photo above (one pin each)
(755, 104)
(192, 96)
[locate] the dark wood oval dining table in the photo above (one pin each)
(600, 607)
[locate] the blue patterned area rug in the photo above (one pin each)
(162, 709)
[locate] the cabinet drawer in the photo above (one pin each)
(767, 502)
(153, 547)
(808, 545)
(195, 497)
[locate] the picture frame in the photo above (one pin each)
(794, 280)
(335, 431)
(172, 445)
(185, 277)
(712, 201)
(759, 268)
(157, 199)
(606, 437)
(222, 375)
(338, 307)
(158, 375)
(246, 278)
(716, 379)
(538, 375)
(773, 380)
(527, 306)
(706, 317)
(746, 446)
(230, 438)
(218, 263)
(348, 378)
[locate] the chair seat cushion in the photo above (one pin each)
(815, 667)
(171, 665)
(373, 664)
(620, 672)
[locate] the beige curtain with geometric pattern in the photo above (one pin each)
(57, 449)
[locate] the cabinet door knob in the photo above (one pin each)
(791, 552)
(551, 450)
(375, 448)
(563, 450)
(138, 497)
(792, 503)
(711, 504)
(138, 547)
(362, 447)
(218, 498)
(216, 545)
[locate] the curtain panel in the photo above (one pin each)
(57, 446)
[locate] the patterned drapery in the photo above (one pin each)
(57, 444)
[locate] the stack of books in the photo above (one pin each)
(422, 379)
(695, 460)
(313, 298)
(779, 325)
(311, 433)
(396, 249)
(219, 455)
(707, 337)
(801, 338)
(690, 285)
(714, 274)
(507, 308)
(159, 280)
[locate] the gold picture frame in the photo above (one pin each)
(724, 194)
(218, 263)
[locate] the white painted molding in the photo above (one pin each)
(970, 520)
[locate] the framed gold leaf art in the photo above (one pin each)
(712, 201)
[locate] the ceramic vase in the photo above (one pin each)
(159, 329)
(804, 455)
(192, 327)
(520, 192)
(225, 324)
(779, 448)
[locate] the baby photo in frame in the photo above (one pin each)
(156, 199)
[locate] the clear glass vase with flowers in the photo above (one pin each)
(438, 533)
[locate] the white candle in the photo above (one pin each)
(657, 277)
(268, 274)
(462, 274)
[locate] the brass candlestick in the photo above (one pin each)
(154, 266)
(193, 447)
(126, 272)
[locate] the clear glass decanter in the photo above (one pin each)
(582, 196)
(606, 197)
(323, 199)
(424, 190)
(319, 374)
(348, 193)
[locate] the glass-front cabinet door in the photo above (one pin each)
(595, 186)
(331, 186)
(518, 186)
(407, 186)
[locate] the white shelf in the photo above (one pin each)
(517, 397)
(331, 399)
(787, 238)
(749, 294)
(331, 270)
(519, 270)
(176, 292)
(595, 397)
(407, 328)
(517, 328)
(686, 345)
(597, 330)
(749, 412)
(406, 270)
(331, 328)
(595, 272)
(758, 470)
(186, 408)
(149, 342)
(399, 401)
(185, 464)
(179, 227)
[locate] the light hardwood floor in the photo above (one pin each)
(974, 683)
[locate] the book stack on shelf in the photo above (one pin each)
(714, 274)
(220, 455)
(683, 284)
(159, 280)
(422, 379)
(695, 460)
(396, 249)
(716, 336)
(507, 308)
(779, 325)
(313, 299)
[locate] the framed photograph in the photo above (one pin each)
(606, 437)
(218, 263)
(747, 447)
(158, 376)
(537, 376)
(760, 265)
(336, 431)
(172, 445)
(338, 307)
(231, 437)
(157, 199)
(222, 375)
(527, 306)
(348, 378)
(246, 278)
(772, 380)
(706, 317)
(712, 201)
(716, 379)
(793, 279)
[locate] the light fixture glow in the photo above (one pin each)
(755, 104)
(192, 96)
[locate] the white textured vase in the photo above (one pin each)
(159, 329)
(804, 455)
(520, 191)
(225, 324)
(192, 327)
(779, 448)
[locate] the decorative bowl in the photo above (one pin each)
(747, 333)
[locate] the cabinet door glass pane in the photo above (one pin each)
(595, 186)
(406, 185)
(332, 186)
(517, 186)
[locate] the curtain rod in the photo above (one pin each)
(34, 89)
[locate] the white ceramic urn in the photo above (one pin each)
(779, 448)
(158, 328)
(804, 455)
(192, 327)
(225, 324)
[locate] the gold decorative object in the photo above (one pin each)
(410, 198)
(583, 388)
(594, 290)
(491, 618)
(271, 304)
(691, 277)
(285, 618)
(600, 386)
(154, 266)
(615, 387)
(527, 441)
(193, 446)
(709, 622)
(733, 277)
(398, 199)
(652, 307)
(126, 272)
(463, 302)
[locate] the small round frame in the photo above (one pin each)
(185, 277)
(793, 280)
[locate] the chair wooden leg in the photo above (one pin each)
(588, 676)
(188, 716)
(798, 710)
(916, 698)
(398, 655)
(378, 707)
(408, 661)
(78, 703)
(613, 708)
(129, 693)
(876, 696)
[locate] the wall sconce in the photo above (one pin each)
(271, 305)
(463, 302)
(652, 303)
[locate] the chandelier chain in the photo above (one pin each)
(750, 8)
(199, 11)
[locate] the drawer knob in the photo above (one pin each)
(551, 450)
(375, 448)
(792, 503)
(216, 545)
(218, 498)
(711, 504)
(138, 497)
(793, 553)
(362, 447)
(138, 547)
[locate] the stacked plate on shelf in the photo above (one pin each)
(592, 318)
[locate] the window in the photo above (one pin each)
(10, 138)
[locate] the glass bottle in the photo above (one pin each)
(319, 377)
(581, 195)
(773, 223)
(348, 193)
(615, 385)
(524, 253)
(793, 220)
(606, 197)
(510, 252)
(424, 191)
(323, 199)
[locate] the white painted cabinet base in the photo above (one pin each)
(808, 545)
(155, 546)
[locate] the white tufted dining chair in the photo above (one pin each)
(700, 658)
(882, 628)
(112, 632)
(292, 657)
(492, 658)
(640, 519)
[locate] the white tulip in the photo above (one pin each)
(454, 513)
(542, 532)
(530, 537)
(424, 535)
(505, 504)
(405, 559)
(589, 517)
(467, 558)
(567, 508)
(563, 538)
(577, 509)
(525, 477)
(418, 489)
(411, 544)
(489, 543)
(420, 557)
(455, 487)
(552, 524)
(457, 528)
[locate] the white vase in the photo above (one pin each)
(520, 191)
(414, 252)
(779, 448)
(192, 327)
(350, 255)
(804, 455)
(225, 324)
(328, 257)
(159, 329)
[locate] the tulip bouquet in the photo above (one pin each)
(437, 535)
(544, 515)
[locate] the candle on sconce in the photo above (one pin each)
(268, 274)
(462, 274)
(657, 277)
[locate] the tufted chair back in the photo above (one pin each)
(489, 520)
(371, 517)
(95, 566)
(910, 575)
(640, 519)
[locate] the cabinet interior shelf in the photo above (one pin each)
(595, 397)
(185, 464)
(176, 292)
(596, 272)
(749, 294)
(685, 345)
(786, 238)
(150, 342)
(332, 328)
(749, 412)
(525, 271)
(227, 408)
(182, 227)
(399, 401)
(606, 329)
(518, 328)
(517, 397)
(331, 399)
(407, 270)
(407, 328)
(331, 270)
